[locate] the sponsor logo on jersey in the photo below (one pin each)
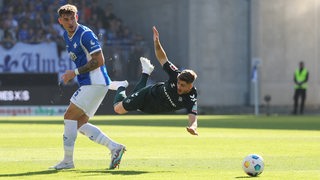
(192, 97)
(168, 97)
(135, 94)
(173, 67)
(73, 56)
(93, 44)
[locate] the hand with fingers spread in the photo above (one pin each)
(192, 131)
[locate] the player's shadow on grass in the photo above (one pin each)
(113, 172)
(30, 173)
(244, 177)
(85, 172)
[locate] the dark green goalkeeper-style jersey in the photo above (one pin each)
(163, 97)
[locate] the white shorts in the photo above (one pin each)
(88, 98)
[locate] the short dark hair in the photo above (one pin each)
(67, 9)
(187, 75)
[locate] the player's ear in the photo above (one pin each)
(59, 20)
(77, 17)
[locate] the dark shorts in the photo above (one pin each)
(137, 100)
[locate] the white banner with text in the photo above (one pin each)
(34, 58)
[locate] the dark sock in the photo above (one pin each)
(142, 82)
(120, 95)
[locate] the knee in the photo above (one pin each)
(119, 109)
(82, 119)
(67, 115)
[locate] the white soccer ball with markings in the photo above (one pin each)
(253, 165)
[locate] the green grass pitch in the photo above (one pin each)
(159, 147)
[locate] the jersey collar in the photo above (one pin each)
(74, 32)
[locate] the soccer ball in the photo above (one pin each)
(253, 165)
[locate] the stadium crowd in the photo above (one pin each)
(35, 21)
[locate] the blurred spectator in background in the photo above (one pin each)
(40, 36)
(10, 22)
(23, 33)
(31, 36)
(37, 22)
(108, 15)
(96, 8)
(8, 40)
(53, 25)
(301, 77)
(1, 30)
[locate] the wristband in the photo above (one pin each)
(76, 71)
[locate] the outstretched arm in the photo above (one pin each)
(160, 53)
(193, 124)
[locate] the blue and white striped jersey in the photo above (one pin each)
(83, 43)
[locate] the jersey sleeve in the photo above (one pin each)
(192, 107)
(193, 110)
(90, 41)
(171, 70)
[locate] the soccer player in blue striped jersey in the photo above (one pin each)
(85, 51)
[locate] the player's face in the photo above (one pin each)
(69, 22)
(183, 87)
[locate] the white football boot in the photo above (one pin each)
(147, 67)
(114, 85)
(63, 165)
